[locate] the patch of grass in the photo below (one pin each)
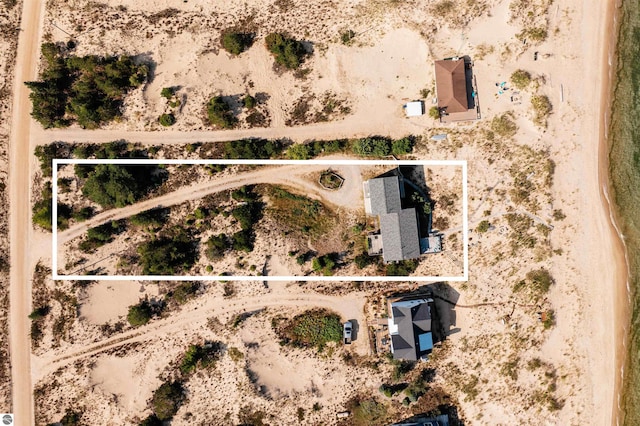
(541, 109)
(483, 226)
(367, 412)
(504, 126)
(521, 79)
(312, 328)
(300, 214)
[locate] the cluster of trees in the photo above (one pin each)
(112, 185)
(88, 90)
(247, 215)
(168, 255)
(380, 147)
(252, 148)
(367, 147)
(287, 51)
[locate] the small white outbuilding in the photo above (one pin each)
(414, 109)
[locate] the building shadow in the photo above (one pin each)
(445, 299)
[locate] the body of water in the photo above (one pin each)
(624, 172)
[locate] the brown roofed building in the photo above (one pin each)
(451, 85)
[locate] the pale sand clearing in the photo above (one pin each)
(110, 300)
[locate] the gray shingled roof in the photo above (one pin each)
(385, 195)
(399, 233)
(412, 322)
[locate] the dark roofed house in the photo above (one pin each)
(410, 328)
(455, 91)
(399, 232)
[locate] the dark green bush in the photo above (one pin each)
(152, 219)
(287, 51)
(217, 246)
(249, 102)
(220, 114)
(167, 399)
(152, 420)
(167, 256)
(315, 327)
(243, 240)
(236, 43)
(167, 120)
(140, 314)
(167, 92)
(112, 185)
(203, 356)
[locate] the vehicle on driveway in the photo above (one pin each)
(347, 328)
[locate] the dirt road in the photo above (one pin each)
(292, 176)
(349, 307)
(350, 127)
(19, 217)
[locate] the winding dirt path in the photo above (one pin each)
(349, 307)
(292, 176)
(19, 212)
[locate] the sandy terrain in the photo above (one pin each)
(499, 362)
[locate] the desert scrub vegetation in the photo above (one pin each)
(287, 51)
(220, 114)
(541, 109)
(299, 214)
(502, 126)
(200, 356)
(521, 79)
(312, 328)
(532, 16)
(236, 42)
(347, 36)
(140, 314)
(535, 285)
(367, 411)
(87, 90)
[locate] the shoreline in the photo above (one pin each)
(620, 295)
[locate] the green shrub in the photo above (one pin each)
(243, 240)
(203, 356)
(183, 293)
(347, 37)
(168, 255)
(152, 420)
(402, 268)
(368, 412)
(217, 246)
(249, 101)
(152, 219)
(363, 260)
(299, 152)
(40, 312)
(167, 92)
(504, 126)
(166, 400)
(541, 109)
(313, 328)
(252, 148)
(140, 314)
(483, 226)
(402, 146)
(521, 79)
(372, 147)
(220, 114)
(434, 112)
(83, 214)
(236, 43)
(287, 51)
(167, 120)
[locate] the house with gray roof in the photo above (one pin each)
(399, 233)
(410, 328)
(441, 420)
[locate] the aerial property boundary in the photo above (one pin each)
(453, 163)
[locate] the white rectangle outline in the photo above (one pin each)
(54, 212)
